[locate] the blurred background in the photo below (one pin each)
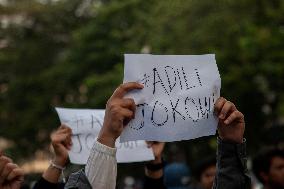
(69, 53)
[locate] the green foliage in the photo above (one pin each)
(56, 58)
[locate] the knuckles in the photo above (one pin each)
(221, 99)
(241, 115)
(115, 110)
(121, 87)
(112, 104)
(5, 160)
(9, 167)
(131, 101)
(131, 114)
(232, 105)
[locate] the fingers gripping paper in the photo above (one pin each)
(85, 125)
(177, 101)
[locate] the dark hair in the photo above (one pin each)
(202, 165)
(262, 162)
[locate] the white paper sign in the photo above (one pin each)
(85, 125)
(178, 97)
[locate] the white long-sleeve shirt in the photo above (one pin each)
(101, 167)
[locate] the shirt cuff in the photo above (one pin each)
(230, 149)
(99, 147)
(226, 148)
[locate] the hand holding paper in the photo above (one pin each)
(176, 103)
(158, 148)
(119, 111)
(231, 122)
(178, 97)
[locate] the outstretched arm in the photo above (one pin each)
(231, 153)
(101, 168)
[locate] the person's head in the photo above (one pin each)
(205, 172)
(268, 167)
(176, 176)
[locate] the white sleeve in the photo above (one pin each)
(101, 167)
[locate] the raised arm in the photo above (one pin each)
(231, 154)
(61, 143)
(101, 168)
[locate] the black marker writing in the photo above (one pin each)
(140, 109)
(157, 79)
(178, 73)
(171, 84)
(152, 117)
(79, 122)
(95, 120)
(89, 141)
(145, 80)
(174, 110)
(76, 140)
(187, 102)
(185, 79)
(198, 77)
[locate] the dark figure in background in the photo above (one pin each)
(268, 167)
(205, 173)
(177, 175)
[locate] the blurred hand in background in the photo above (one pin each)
(11, 176)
